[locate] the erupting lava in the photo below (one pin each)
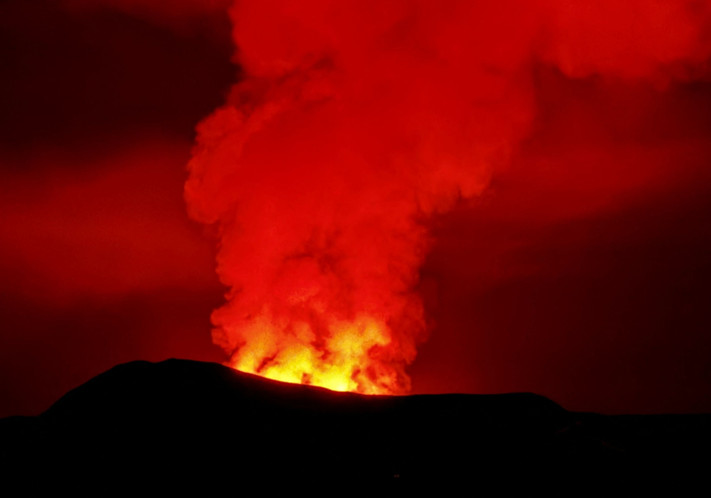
(352, 124)
(342, 363)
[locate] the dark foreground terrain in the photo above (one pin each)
(186, 426)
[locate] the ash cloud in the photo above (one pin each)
(355, 123)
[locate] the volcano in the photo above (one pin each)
(182, 424)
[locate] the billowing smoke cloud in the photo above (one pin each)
(354, 124)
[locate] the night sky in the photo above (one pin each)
(580, 272)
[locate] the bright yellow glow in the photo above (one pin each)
(341, 364)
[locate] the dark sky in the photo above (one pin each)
(581, 273)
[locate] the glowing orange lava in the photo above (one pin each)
(342, 362)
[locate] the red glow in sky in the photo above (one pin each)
(523, 184)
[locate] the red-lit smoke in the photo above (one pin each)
(353, 124)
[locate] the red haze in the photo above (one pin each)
(98, 265)
(73, 235)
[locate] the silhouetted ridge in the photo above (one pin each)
(180, 423)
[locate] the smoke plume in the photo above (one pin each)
(352, 125)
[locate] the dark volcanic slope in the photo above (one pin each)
(180, 424)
